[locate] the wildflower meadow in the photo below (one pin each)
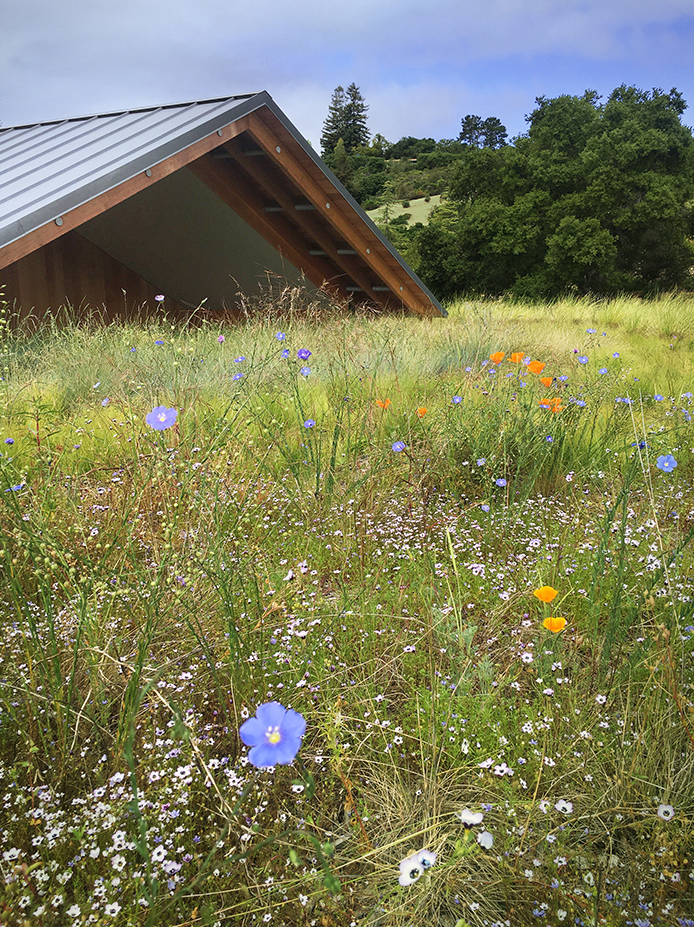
(341, 620)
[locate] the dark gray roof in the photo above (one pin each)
(49, 168)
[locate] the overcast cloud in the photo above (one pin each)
(421, 69)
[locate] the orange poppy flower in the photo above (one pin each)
(497, 357)
(546, 381)
(553, 404)
(517, 357)
(383, 403)
(555, 624)
(421, 412)
(546, 593)
(536, 367)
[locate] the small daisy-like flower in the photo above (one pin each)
(469, 818)
(666, 812)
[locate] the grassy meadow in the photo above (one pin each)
(358, 533)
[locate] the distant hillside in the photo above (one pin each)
(419, 210)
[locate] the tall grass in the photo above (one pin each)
(356, 533)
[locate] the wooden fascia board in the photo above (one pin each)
(329, 205)
(99, 204)
(315, 229)
(220, 178)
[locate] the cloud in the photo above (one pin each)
(421, 68)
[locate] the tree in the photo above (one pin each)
(346, 120)
(482, 133)
(334, 125)
(595, 197)
(356, 131)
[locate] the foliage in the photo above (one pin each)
(483, 133)
(595, 198)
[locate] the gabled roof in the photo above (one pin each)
(58, 176)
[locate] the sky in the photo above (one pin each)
(420, 67)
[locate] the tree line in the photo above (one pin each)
(595, 197)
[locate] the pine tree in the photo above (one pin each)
(346, 120)
(334, 125)
(356, 131)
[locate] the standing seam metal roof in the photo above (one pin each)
(49, 168)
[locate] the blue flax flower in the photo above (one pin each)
(237, 376)
(602, 370)
(285, 353)
(274, 735)
(280, 336)
(161, 418)
(582, 359)
(501, 481)
(456, 400)
(666, 463)
(309, 423)
(303, 354)
(239, 360)
(305, 371)
(159, 342)
(398, 446)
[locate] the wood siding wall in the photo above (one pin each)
(70, 271)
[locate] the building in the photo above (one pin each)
(194, 201)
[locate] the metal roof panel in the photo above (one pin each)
(50, 168)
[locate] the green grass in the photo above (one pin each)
(419, 210)
(273, 545)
